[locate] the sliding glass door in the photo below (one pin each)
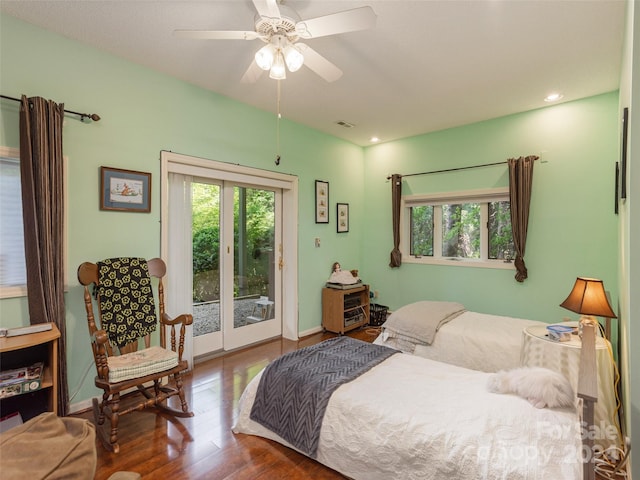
(205, 199)
(251, 271)
(229, 238)
(233, 243)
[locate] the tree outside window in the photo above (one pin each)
(422, 230)
(473, 230)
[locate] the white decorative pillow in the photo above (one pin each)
(540, 386)
(419, 321)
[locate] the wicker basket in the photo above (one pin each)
(377, 314)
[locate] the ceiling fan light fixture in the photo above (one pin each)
(293, 58)
(265, 57)
(280, 28)
(278, 72)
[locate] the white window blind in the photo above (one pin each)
(12, 261)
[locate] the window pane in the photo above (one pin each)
(12, 263)
(422, 230)
(500, 236)
(461, 230)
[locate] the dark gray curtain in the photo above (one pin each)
(41, 170)
(520, 181)
(396, 196)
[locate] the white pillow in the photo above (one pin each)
(540, 386)
(420, 321)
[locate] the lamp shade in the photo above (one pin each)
(588, 298)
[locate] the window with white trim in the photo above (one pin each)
(464, 228)
(13, 270)
(13, 275)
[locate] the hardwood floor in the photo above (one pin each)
(203, 447)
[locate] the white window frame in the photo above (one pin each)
(16, 291)
(205, 168)
(483, 196)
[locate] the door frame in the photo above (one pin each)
(201, 167)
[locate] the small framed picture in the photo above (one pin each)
(125, 190)
(343, 217)
(322, 201)
(616, 189)
(623, 153)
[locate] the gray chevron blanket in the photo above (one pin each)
(294, 390)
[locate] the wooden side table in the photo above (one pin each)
(345, 309)
(24, 351)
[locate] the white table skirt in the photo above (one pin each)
(564, 357)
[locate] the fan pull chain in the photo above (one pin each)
(278, 126)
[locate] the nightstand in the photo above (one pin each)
(538, 350)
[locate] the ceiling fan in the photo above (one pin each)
(281, 28)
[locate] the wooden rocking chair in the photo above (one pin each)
(119, 363)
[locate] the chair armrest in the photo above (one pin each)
(182, 320)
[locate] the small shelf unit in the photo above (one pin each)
(345, 309)
(26, 350)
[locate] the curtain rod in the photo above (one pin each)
(92, 116)
(454, 169)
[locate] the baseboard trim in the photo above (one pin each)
(311, 331)
(85, 405)
(82, 406)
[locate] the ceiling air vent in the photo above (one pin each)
(345, 124)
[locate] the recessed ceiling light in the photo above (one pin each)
(374, 139)
(553, 97)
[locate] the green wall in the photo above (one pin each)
(144, 112)
(629, 227)
(572, 225)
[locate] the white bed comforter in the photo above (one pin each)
(473, 340)
(414, 418)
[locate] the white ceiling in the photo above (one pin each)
(426, 66)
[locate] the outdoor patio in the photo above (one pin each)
(206, 315)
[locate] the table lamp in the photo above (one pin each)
(589, 300)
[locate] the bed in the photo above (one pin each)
(414, 418)
(447, 332)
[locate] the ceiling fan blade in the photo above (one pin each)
(252, 74)
(318, 63)
(348, 21)
(216, 34)
(267, 8)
